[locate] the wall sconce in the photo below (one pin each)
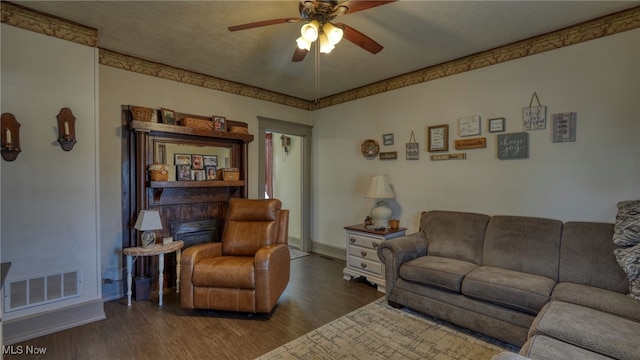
(10, 137)
(66, 129)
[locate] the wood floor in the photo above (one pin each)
(316, 295)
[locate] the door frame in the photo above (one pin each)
(303, 131)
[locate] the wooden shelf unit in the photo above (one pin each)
(177, 201)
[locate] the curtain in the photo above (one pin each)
(268, 158)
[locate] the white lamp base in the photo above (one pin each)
(381, 214)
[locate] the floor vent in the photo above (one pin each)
(40, 290)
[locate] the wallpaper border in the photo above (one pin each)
(612, 24)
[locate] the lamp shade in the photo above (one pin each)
(148, 220)
(380, 188)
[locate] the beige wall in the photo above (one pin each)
(50, 201)
(599, 80)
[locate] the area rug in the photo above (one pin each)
(378, 331)
(296, 254)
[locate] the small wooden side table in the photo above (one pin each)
(156, 249)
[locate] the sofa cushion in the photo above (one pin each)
(586, 256)
(590, 329)
(436, 271)
(627, 228)
(629, 260)
(526, 244)
(599, 299)
(545, 348)
(514, 289)
(456, 235)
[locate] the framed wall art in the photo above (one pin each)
(387, 139)
(564, 127)
(513, 146)
(496, 125)
(438, 138)
(469, 126)
(390, 155)
(413, 148)
(534, 117)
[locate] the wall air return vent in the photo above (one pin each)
(39, 290)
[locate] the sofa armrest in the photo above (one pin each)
(395, 252)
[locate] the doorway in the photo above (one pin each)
(285, 151)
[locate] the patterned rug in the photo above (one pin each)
(378, 331)
(296, 254)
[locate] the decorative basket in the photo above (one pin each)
(142, 113)
(238, 129)
(158, 172)
(197, 123)
(229, 174)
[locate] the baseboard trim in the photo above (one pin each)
(49, 322)
(328, 250)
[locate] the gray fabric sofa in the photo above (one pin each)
(553, 288)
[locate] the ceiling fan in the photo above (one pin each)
(318, 15)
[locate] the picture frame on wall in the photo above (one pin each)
(438, 138)
(387, 139)
(168, 116)
(469, 126)
(182, 159)
(496, 125)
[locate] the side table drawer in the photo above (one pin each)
(370, 266)
(363, 241)
(364, 253)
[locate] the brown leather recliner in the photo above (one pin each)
(248, 270)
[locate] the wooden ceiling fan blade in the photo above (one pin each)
(264, 23)
(360, 39)
(299, 54)
(359, 5)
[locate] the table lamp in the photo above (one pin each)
(148, 220)
(380, 189)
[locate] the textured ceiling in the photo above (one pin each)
(193, 35)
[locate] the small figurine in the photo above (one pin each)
(368, 221)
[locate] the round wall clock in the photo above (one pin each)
(370, 148)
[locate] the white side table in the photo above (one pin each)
(362, 253)
(155, 249)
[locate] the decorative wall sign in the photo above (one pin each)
(513, 146)
(564, 127)
(469, 126)
(387, 139)
(438, 138)
(390, 155)
(458, 156)
(475, 143)
(413, 148)
(496, 125)
(534, 117)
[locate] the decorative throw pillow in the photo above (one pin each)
(629, 260)
(626, 231)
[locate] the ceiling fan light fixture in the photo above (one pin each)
(309, 31)
(325, 45)
(334, 33)
(303, 44)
